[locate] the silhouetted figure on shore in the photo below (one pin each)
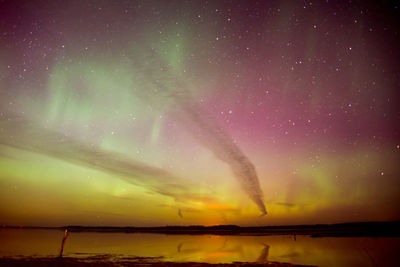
(63, 242)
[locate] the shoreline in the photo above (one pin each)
(363, 229)
(110, 260)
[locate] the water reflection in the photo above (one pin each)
(204, 248)
(264, 255)
(179, 247)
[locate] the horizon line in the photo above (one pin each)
(196, 225)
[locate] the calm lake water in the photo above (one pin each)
(205, 248)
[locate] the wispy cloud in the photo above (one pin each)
(27, 135)
(156, 80)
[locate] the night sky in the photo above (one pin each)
(199, 112)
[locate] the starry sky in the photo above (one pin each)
(199, 112)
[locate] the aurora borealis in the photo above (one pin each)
(158, 112)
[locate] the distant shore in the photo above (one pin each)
(360, 229)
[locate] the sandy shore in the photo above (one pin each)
(118, 261)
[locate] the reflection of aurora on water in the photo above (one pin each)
(118, 247)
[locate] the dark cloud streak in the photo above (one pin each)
(156, 79)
